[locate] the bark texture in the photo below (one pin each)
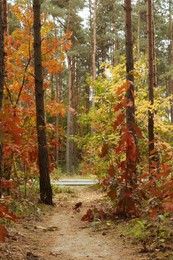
(45, 187)
(115, 46)
(1, 56)
(170, 80)
(151, 84)
(69, 146)
(1, 81)
(4, 15)
(130, 110)
(94, 42)
(72, 126)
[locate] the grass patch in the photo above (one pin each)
(154, 235)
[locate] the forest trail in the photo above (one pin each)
(62, 235)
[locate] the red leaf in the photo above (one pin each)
(7, 183)
(131, 147)
(165, 168)
(3, 233)
(137, 131)
(117, 107)
(123, 166)
(111, 171)
(123, 88)
(89, 216)
(119, 120)
(4, 213)
(107, 181)
(112, 194)
(128, 193)
(152, 151)
(102, 214)
(104, 150)
(153, 212)
(168, 206)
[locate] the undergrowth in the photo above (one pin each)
(154, 235)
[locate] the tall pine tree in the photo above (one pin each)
(45, 186)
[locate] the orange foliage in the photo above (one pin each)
(18, 115)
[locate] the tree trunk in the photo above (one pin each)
(76, 108)
(58, 83)
(94, 45)
(1, 81)
(170, 58)
(115, 47)
(139, 29)
(69, 144)
(1, 56)
(45, 186)
(4, 16)
(151, 84)
(130, 110)
(69, 147)
(94, 42)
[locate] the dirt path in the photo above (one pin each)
(62, 235)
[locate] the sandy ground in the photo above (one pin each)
(62, 235)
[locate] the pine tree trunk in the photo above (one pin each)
(130, 179)
(115, 47)
(4, 15)
(76, 108)
(69, 146)
(139, 29)
(130, 111)
(151, 84)
(1, 57)
(94, 43)
(170, 58)
(58, 81)
(1, 81)
(45, 186)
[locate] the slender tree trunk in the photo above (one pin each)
(94, 46)
(130, 110)
(1, 56)
(94, 42)
(1, 82)
(151, 85)
(7, 160)
(130, 173)
(58, 81)
(139, 29)
(70, 119)
(87, 93)
(91, 33)
(154, 51)
(170, 58)
(69, 146)
(115, 47)
(45, 186)
(4, 15)
(76, 109)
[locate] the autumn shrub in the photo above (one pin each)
(105, 149)
(6, 214)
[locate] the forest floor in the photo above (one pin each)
(60, 233)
